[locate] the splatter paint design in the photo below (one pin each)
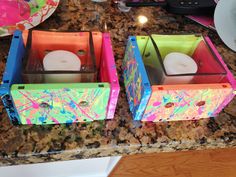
(8, 104)
(75, 103)
(135, 78)
(185, 104)
(169, 102)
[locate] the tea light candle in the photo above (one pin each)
(61, 60)
(179, 63)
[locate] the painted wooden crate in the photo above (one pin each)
(151, 99)
(34, 102)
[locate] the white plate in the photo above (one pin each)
(225, 22)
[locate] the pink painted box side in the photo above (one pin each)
(230, 77)
(206, 21)
(109, 75)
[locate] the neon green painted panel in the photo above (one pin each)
(60, 103)
(176, 43)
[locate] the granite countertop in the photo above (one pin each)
(33, 144)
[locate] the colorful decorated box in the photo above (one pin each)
(154, 95)
(36, 102)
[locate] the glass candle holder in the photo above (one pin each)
(40, 43)
(157, 48)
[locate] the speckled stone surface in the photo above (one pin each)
(121, 136)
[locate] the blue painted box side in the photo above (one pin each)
(136, 81)
(12, 74)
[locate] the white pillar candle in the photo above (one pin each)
(61, 60)
(179, 63)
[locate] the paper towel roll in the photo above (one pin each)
(178, 63)
(61, 60)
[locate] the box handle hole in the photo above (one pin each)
(47, 51)
(147, 55)
(201, 103)
(81, 52)
(6, 81)
(44, 105)
(21, 87)
(169, 105)
(83, 103)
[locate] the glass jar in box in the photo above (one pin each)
(48, 57)
(155, 95)
(30, 98)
